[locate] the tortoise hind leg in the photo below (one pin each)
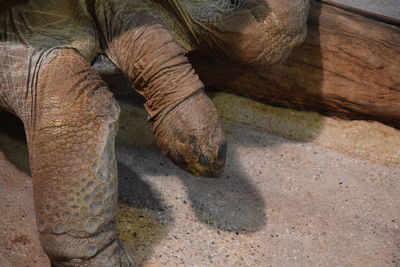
(71, 145)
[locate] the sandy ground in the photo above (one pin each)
(325, 197)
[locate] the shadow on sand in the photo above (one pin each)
(231, 203)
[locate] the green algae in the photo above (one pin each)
(295, 125)
(134, 129)
(136, 227)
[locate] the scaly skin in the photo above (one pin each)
(70, 116)
(188, 133)
(72, 159)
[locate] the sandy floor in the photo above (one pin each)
(279, 202)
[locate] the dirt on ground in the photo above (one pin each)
(299, 189)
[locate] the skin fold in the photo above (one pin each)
(71, 117)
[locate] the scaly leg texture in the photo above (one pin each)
(185, 121)
(71, 135)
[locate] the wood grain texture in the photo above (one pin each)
(349, 66)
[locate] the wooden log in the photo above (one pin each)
(349, 66)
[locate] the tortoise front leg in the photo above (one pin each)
(71, 145)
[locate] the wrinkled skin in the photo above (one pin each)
(70, 116)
